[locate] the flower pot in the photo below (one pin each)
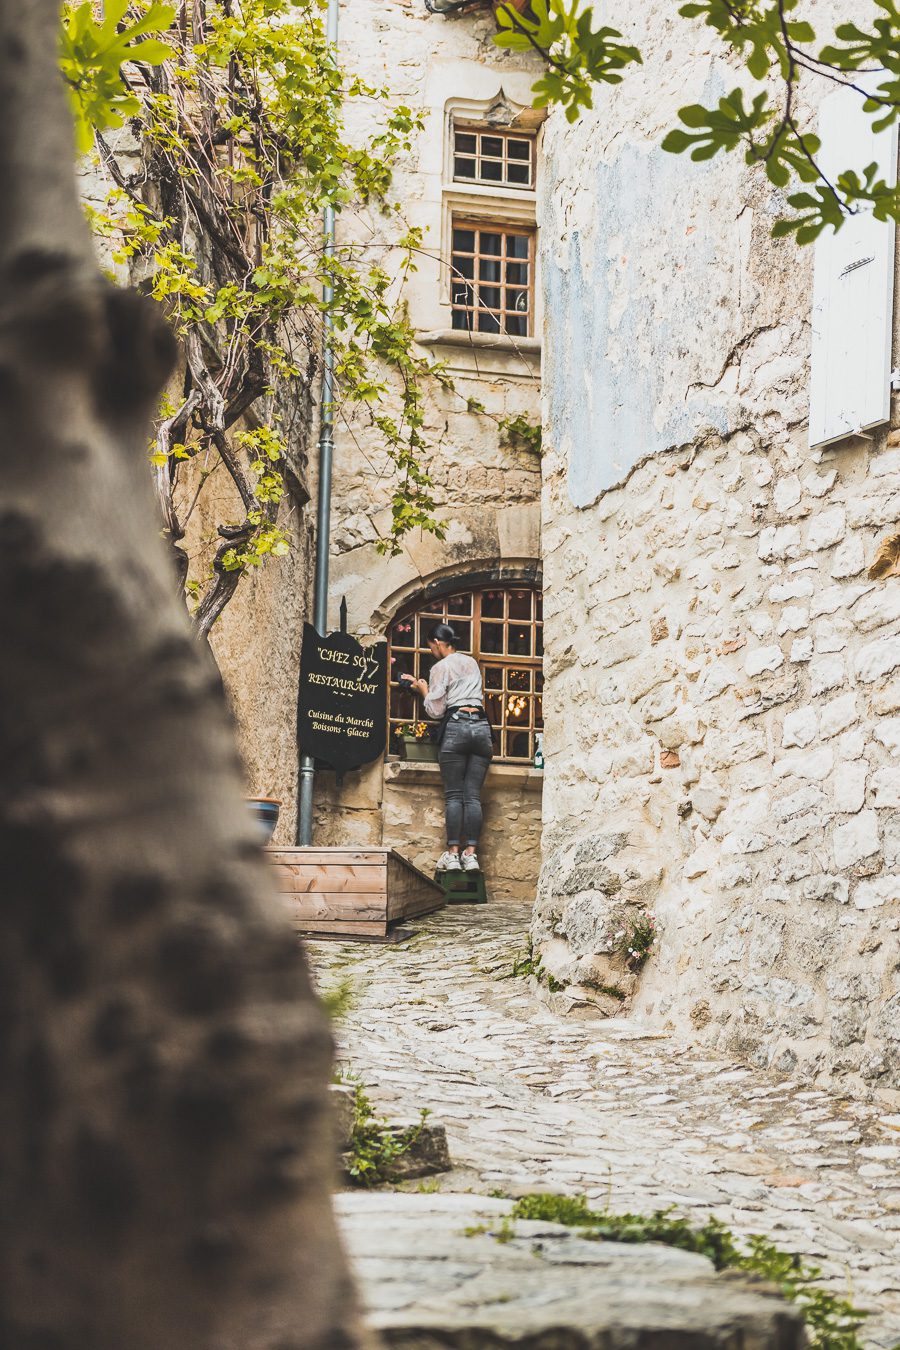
(265, 812)
(423, 751)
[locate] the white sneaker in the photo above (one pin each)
(448, 862)
(469, 862)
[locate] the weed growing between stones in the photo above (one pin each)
(634, 939)
(831, 1322)
(338, 1000)
(530, 964)
(374, 1148)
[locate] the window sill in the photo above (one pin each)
(499, 775)
(493, 342)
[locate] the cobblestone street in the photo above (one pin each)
(534, 1102)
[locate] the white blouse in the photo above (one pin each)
(454, 682)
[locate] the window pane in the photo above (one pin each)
(516, 325)
(489, 297)
(539, 713)
(402, 663)
(459, 604)
(463, 168)
(461, 266)
(519, 641)
(492, 637)
(493, 146)
(517, 300)
(520, 604)
(402, 633)
(517, 173)
(402, 703)
(517, 709)
(493, 677)
(516, 245)
(462, 319)
(518, 745)
(465, 144)
(539, 640)
(463, 241)
(491, 243)
(492, 170)
(493, 706)
(463, 295)
(492, 605)
(516, 149)
(518, 681)
(539, 605)
(489, 269)
(487, 322)
(464, 633)
(516, 274)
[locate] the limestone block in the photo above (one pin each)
(800, 727)
(826, 529)
(763, 658)
(819, 485)
(778, 541)
(798, 803)
(837, 715)
(825, 673)
(827, 888)
(708, 797)
(887, 733)
(828, 601)
(886, 698)
(857, 839)
(815, 765)
(850, 786)
(787, 493)
(794, 618)
(802, 649)
(793, 588)
(434, 1276)
(829, 637)
(886, 787)
(879, 891)
(647, 676)
(716, 678)
(878, 658)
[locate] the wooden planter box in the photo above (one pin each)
(422, 751)
(355, 893)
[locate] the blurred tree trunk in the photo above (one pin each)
(165, 1147)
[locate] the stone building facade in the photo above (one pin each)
(470, 197)
(724, 714)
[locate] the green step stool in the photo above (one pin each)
(462, 888)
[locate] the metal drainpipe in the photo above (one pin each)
(326, 458)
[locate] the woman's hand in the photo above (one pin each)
(420, 686)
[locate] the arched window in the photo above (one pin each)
(502, 627)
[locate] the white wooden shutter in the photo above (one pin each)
(853, 290)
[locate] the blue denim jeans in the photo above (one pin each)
(466, 752)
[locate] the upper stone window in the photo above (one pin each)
(494, 157)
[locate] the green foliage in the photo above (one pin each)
(338, 1000)
(634, 935)
(530, 963)
(770, 42)
(239, 114)
(94, 50)
(578, 57)
(831, 1322)
(374, 1148)
(520, 431)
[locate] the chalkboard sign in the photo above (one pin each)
(342, 707)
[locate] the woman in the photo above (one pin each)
(455, 694)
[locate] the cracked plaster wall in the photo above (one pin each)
(724, 719)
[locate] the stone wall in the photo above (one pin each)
(724, 716)
(487, 487)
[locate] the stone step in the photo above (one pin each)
(455, 1271)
